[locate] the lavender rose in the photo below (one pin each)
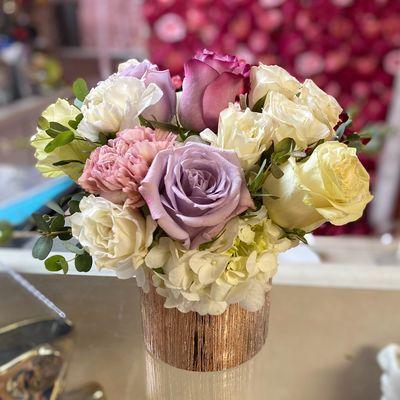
(164, 109)
(194, 190)
(211, 82)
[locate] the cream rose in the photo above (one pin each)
(115, 104)
(303, 112)
(266, 78)
(117, 238)
(245, 132)
(332, 185)
(289, 119)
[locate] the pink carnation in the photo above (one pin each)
(116, 170)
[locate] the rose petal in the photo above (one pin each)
(197, 76)
(218, 95)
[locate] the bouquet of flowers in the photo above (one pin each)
(196, 186)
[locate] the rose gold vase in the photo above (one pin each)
(202, 343)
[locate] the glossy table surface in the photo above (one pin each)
(322, 343)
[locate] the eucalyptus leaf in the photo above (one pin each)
(42, 247)
(286, 145)
(61, 140)
(276, 171)
(56, 263)
(341, 129)
(58, 127)
(83, 262)
(80, 89)
(74, 248)
(57, 224)
(42, 123)
(66, 162)
(55, 207)
(259, 105)
(40, 222)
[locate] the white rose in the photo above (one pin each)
(115, 104)
(245, 132)
(289, 119)
(117, 238)
(332, 185)
(324, 107)
(266, 78)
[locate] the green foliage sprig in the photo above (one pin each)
(51, 227)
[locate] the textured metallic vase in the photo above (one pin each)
(202, 343)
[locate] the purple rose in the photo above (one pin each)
(165, 109)
(194, 190)
(211, 82)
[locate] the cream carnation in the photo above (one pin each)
(115, 104)
(245, 132)
(332, 185)
(117, 238)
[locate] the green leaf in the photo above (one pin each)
(65, 236)
(42, 247)
(258, 107)
(56, 263)
(43, 123)
(83, 263)
(57, 224)
(66, 162)
(80, 89)
(265, 195)
(74, 248)
(286, 145)
(52, 133)
(61, 140)
(341, 129)
(159, 271)
(58, 127)
(6, 232)
(276, 171)
(40, 222)
(55, 207)
(73, 206)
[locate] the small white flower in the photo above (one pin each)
(115, 104)
(117, 238)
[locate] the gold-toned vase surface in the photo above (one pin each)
(202, 343)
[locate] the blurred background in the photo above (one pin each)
(351, 48)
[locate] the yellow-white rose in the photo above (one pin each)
(323, 106)
(266, 78)
(62, 112)
(332, 185)
(117, 238)
(303, 112)
(115, 104)
(245, 132)
(289, 119)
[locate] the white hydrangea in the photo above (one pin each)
(236, 268)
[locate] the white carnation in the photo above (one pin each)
(115, 104)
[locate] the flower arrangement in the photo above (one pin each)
(196, 189)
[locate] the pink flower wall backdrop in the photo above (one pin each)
(350, 48)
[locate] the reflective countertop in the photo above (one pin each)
(322, 343)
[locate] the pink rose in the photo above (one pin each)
(116, 170)
(211, 82)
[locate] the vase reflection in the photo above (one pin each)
(164, 382)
